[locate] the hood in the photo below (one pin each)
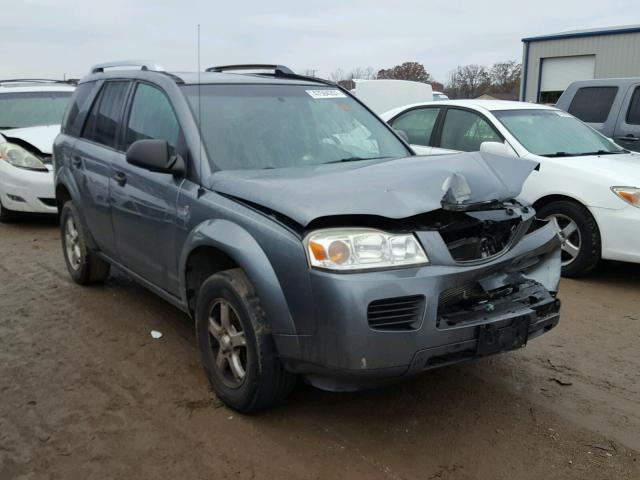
(40, 137)
(620, 169)
(393, 189)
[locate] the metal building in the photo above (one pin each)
(551, 62)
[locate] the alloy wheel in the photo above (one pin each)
(570, 237)
(72, 243)
(229, 343)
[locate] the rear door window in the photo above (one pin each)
(466, 131)
(105, 115)
(633, 114)
(593, 104)
(152, 117)
(417, 124)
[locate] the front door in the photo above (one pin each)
(143, 203)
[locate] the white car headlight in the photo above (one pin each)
(19, 157)
(362, 248)
(628, 194)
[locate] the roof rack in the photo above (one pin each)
(143, 64)
(39, 80)
(278, 69)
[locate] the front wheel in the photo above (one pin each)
(579, 235)
(237, 351)
(83, 265)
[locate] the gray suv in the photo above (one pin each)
(298, 230)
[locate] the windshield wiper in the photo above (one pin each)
(601, 152)
(558, 154)
(354, 159)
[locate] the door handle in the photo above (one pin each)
(120, 178)
(77, 161)
(629, 138)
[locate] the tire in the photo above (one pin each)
(578, 222)
(84, 266)
(248, 346)
(7, 216)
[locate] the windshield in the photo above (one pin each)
(279, 126)
(553, 133)
(31, 109)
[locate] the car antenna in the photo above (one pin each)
(200, 189)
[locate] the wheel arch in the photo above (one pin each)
(558, 197)
(217, 245)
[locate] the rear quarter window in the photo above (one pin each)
(593, 104)
(78, 108)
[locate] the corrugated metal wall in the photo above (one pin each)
(616, 56)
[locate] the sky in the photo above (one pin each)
(52, 38)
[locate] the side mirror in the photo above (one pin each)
(402, 134)
(153, 155)
(497, 148)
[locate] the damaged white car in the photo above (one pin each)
(30, 115)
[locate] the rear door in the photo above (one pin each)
(627, 131)
(418, 124)
(93, 155)
(464, 130)
(143, 202)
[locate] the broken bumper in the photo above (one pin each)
(348, 352)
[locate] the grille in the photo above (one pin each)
(400, 313)
(477, 240)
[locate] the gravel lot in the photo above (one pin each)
(87, 393)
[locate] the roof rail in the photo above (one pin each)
(278, 69)
(143, 64)
(39, 80)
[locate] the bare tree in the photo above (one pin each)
(505, 77)
(360, 73)
(338, 75)
(407, 71)
(468, 81)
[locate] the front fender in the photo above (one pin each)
(240, 245)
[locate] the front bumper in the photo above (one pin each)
(26, 190)
(619, 233)
(346, 353)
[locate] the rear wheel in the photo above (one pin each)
(237, 351)
(579, 235)
(83, 265)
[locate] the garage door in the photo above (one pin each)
(558, 72)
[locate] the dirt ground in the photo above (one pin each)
(86, 393)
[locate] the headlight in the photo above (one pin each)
(628, 194)
(19, 157)
(362, 248)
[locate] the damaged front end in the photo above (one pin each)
(481, 278)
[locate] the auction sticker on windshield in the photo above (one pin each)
(326, 94)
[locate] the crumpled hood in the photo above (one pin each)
(393, 189)
(40, 137)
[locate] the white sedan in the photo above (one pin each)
(586, 182)
(30, 115)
